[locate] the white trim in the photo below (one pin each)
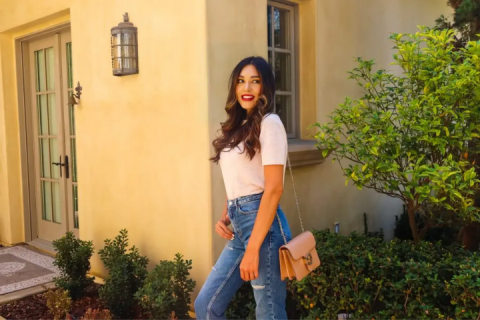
(45, 32)
(25, 123)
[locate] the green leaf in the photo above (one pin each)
(446, 131)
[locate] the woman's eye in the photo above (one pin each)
(240, 81)
(256, 81)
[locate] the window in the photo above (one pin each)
(281, 56)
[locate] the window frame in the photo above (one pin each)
(293, 93)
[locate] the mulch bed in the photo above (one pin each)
(35, 307)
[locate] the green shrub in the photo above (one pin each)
(242, 305)
(58, 302)
(375, 234)
(126, 273)
(464, 289)
(368, 278)
(97, 314)
(73, 260)
(166, 290)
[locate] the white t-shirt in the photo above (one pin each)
(242, 176)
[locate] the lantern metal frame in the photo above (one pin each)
(124, 43)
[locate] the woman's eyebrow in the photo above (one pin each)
(240, 76)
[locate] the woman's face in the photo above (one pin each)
(249, 87)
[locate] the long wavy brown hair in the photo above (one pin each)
(232, 130)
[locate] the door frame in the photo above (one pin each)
(26, 125)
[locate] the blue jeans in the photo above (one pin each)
(224, 280)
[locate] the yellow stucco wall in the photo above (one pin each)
(143, 140)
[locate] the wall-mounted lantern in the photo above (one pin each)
(124, 48)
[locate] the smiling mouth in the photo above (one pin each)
(247, 97)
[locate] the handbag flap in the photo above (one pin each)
(300, 245)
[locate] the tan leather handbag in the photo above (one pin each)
(298, 257)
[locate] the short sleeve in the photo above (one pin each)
(273, 141)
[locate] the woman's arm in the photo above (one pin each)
(221, 227)
(225, 217)
(265, 216)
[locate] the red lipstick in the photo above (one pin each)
(247, 97)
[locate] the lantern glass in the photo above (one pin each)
(129, 39)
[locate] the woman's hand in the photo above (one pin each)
(222, 228)
(249, 265)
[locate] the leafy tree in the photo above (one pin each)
(466, 20)
(408, 135)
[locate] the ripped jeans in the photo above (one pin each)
(224, 279)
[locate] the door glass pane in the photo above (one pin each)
(270, 57)
(75, 205)
(55, 158)
(73, 155)
(47, 200)
(50, 59)
(269, 21)
(44, 158)
(69, 65)
(42, 113)
(57, 211)
(71, 115)
(40, 70)
(52, 114)
(283, 71)
(281, 28)
(283, 107)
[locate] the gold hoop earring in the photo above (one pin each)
(264, 100)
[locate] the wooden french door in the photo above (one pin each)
(52, 137)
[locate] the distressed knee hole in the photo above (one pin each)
(229, 248)
(256, 287)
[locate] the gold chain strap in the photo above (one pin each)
(296, 200)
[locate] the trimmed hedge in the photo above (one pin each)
(369, 278)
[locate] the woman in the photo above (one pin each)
(252, 152)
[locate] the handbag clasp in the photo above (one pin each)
(308, 259)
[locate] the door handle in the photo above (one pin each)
(67, 168)
(60, 164)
